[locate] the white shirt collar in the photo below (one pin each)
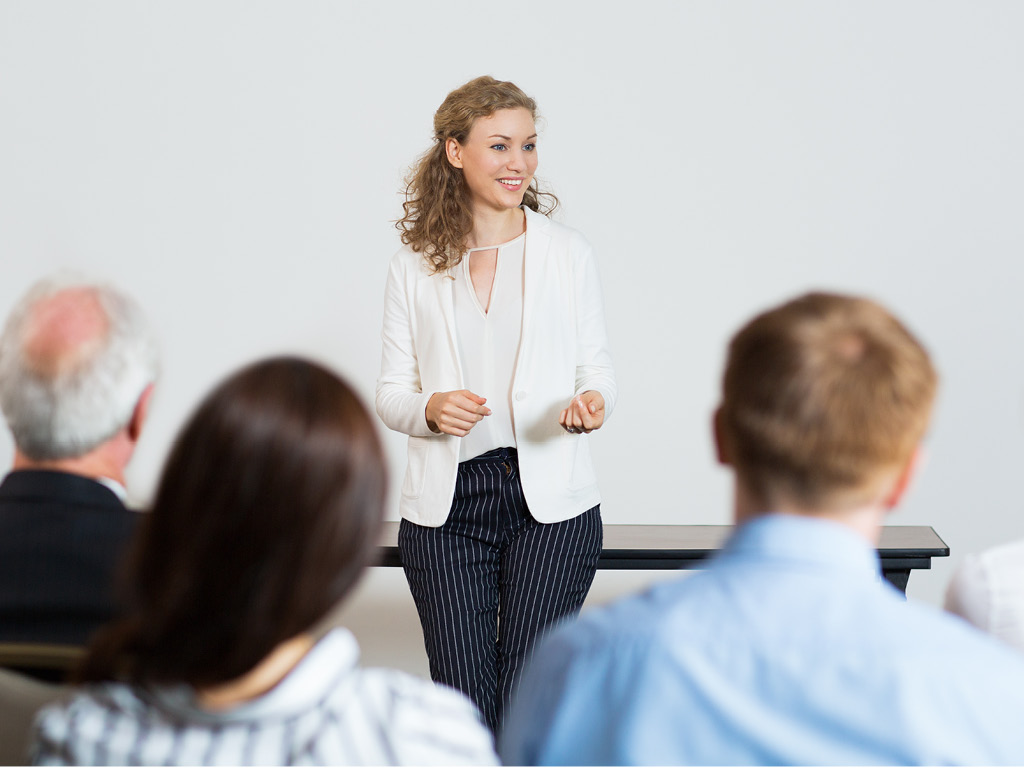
(119, 490)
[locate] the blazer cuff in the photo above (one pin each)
(419, 424)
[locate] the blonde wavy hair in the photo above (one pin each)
(438, 216)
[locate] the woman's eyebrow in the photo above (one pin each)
(509, 138)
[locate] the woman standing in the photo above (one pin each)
(495, 363)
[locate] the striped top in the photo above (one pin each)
(327, 711)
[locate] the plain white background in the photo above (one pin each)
(237, 167)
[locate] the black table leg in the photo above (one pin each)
(898, 579)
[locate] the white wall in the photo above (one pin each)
(236, 165)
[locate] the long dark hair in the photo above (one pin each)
(268, 509)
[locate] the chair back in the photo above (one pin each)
(44, 661)
(21, 698)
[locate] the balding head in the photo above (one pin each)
(74, 360)
(63, 332)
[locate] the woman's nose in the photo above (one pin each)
(516, 160)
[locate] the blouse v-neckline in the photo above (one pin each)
(499, 246)
(485, 313)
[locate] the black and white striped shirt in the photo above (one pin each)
(327, 711)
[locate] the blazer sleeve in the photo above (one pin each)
(593, 361)
(401, 402)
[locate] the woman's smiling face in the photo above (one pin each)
(498, 158)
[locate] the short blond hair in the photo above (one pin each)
(823, 399)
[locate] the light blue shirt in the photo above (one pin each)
(787, 649)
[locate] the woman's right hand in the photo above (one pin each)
(455, 413)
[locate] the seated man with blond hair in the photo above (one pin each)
(77, 365)
(789, 648)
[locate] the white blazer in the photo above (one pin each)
(563, 352)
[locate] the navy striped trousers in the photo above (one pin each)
(491, 578)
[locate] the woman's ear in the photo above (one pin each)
(453, 151)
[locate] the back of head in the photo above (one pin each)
(74, 360)
(268, 508)
(824, 401)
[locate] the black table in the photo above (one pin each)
(902, 549)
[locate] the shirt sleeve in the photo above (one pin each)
(988, 591)
(401, 402)
(969, 593)
(435, 725)
(569, 709)
(528, 732)
(51, 737)
(594, 368)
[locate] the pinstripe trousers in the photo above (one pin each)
(491, 578)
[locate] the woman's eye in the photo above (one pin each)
(499, 147)
(529, 147)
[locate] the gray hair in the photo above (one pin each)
(67, 413)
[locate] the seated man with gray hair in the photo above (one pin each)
(77, 366)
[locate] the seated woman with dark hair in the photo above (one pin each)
(266, 514)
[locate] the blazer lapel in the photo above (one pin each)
(534, 266)
(535, 258)
(444, 285)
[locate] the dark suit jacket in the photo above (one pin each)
(61, 541)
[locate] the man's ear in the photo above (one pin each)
(453, 151)
(902, 483)
(139, 414)
(721, 443)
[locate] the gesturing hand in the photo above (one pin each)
(455, 413)
(584, 414)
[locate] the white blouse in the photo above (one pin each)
(489, 344)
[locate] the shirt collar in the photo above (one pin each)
(805, 539)
(317, 674)
(119, 490)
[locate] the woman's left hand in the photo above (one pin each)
(584, 414)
